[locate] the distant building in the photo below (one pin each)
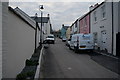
(46, 25)
(68, 33)
(63, 31)
(74, 28)
(56, 33)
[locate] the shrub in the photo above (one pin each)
(32, 63)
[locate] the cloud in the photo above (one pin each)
(55, 0)
(60, 12)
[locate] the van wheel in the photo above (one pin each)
(70, 48)
(75, 49)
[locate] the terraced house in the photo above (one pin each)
(104, 22)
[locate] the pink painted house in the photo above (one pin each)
(84, 23)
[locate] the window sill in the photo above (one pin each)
(95, 22)
(103, 19)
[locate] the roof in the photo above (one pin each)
(90, 11)
(65, 27)
(25, 16)
(38, 19)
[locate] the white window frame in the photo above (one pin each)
(103, 12)
(95, 17)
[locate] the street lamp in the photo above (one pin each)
(40, 8)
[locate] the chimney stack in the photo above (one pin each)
(48, 15)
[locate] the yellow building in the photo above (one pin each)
(68, 33)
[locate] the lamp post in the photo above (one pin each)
(40, 8)
(35, 32)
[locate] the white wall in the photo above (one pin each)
(4, 36)
(0, 40)
(20, 45)
(107, 23)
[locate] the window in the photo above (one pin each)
(103, 12)
(95, 17)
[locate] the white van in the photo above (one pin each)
(81, 42)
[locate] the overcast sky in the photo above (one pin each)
(60, 12)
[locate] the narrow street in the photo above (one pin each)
(60, 62)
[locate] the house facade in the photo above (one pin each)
(104, 22)
(74, 28)
(46, 26)
(84, 23)
(68, 33)
(63, 31)
(18, 41)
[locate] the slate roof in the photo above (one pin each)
(38, 19)
(65, 27)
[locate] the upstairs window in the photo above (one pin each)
(103, 12)
(95, 17)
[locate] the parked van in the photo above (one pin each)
(81, 42)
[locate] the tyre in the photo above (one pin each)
(75, 49)
(70, 48)
(53, 42)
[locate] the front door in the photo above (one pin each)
(103, 39)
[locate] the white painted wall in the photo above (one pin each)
(4, 36)
(106, 22)
(20, 45)
(0, 40)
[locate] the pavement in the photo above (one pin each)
(60, 62)
(108, 62)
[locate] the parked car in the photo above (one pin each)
(81, 42)
(50, 39)
(64, 39)
(68, 42)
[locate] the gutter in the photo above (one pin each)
(12, 10)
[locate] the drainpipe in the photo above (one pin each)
(112, 27)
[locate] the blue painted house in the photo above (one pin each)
(63, 31)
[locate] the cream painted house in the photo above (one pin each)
(18, 41)
(68, 33)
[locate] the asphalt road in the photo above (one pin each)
(60, 62)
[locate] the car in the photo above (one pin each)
(64, 39)
(50, 39)
(68, 42)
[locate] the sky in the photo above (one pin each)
(60, 12)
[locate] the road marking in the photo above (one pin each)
(69, 68)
